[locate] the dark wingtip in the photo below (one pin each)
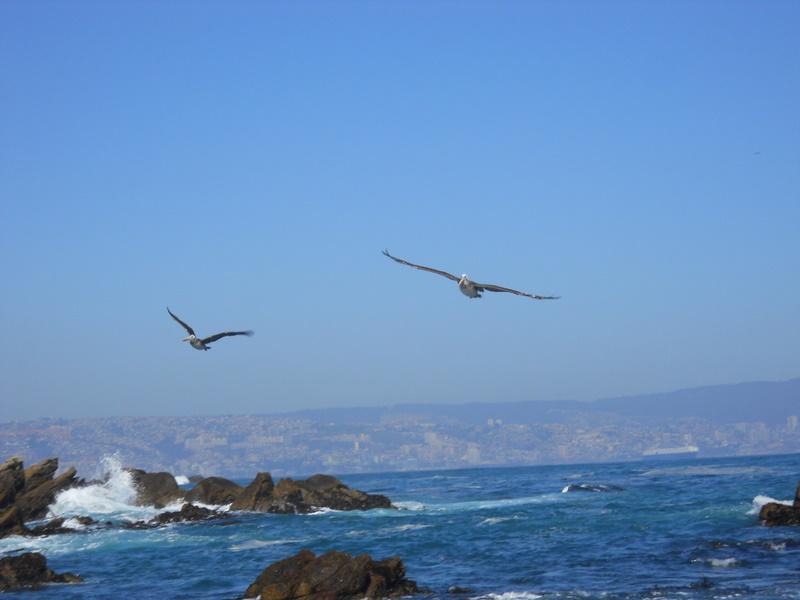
(385, 252)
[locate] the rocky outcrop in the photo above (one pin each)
(214, 490)
(304, 496)
(30, 570)
(773, 513)
(155, 489)
(257, 496)
(56, 526)
(11, 522)
(25, 494)
(33, 502)
(40, 473)
(12, 481)
(331, 576)
(188, 512)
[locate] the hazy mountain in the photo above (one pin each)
(766, 401)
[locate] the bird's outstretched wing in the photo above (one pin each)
(188, 329)
(420, 267)
(216, 336)
(488, 287)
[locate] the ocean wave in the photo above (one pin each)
(473, 505)
(510, 596)
(496, 520)
(407, 527)
(114, 497)
(255, 544)
(591, 487)
(723, 563)
(759, 501)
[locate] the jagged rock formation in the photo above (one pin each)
(30, 570)
(304, 496)
(25, 494)
(773, 513)
(257, 496)
(331, 576)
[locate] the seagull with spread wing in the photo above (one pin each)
(202, 343)
(471, 289)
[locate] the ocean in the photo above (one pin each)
(682, 529)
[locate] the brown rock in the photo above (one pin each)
(39, 473)
(30, 570)
(773, 514)
(188, 512)
(12, 481)
(257, 496)
(33, 502)
(156, 489)
(797, 497)
(214, 490)
(331, 576)
(322, 491)
(11, 522)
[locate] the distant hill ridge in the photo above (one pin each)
(768, 401)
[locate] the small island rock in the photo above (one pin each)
(30, 570)
(331, 576)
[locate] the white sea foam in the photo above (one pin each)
(511, 596)
(759, 501)
(115, 496)
(408, 527)
(410, 505)
(181, 479)
(778, 547)
(254, 544)
(722, 562)
(496, 520)
(73, 524)
(477, 504)
(323, 510)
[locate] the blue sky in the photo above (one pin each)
(246, 163)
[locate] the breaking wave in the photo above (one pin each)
(113, 497)
(759, 501)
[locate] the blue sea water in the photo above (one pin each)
(681, 529)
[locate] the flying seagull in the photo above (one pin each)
(471, 289)
(202, 343)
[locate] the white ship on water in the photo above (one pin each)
(671, 453)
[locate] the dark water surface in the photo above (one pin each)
(683, 529)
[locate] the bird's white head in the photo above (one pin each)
(463, 279)
(188, 339)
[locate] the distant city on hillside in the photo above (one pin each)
(726, 420)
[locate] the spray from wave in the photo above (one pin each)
(113, 497)
(759, 501)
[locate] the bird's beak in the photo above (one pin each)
(186, 339)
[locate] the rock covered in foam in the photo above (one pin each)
(30, 570)
(774, 513)
(330, 576)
